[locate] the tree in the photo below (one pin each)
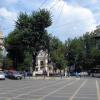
(75, 52)
(57, 53)
(82, 51)
(95, 55)
(14, 48)
(30, 33)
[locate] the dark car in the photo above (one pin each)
(14, 75)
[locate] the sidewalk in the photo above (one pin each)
(57, 78)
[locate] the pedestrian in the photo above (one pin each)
(61, 74)
(29, 74)
(24, 74)
(68, 72)
(65, 73)
(44, 73)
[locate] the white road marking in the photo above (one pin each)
(36, 90)
(98, 90)
(24, 87)
(71, 98)
(56, 90)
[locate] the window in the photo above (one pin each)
(41, 63)
(36, 69)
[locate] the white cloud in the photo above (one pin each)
(77, 20)
(7, 14)
(7, 18)
(11, 1)
(73, 20)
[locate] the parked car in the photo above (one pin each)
(6, 73)
(14, 75)
(2, 75)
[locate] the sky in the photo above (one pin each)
(71, 18)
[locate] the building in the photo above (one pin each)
(42, 63)
(1, 40)
(1, 48)
(4, 52)
(97, 40)
(97, 45)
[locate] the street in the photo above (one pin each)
(50, 89)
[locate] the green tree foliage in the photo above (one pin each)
(30, 35)
(95, 56)
(82, 51)
(57, 50)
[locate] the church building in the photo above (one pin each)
(42, 63)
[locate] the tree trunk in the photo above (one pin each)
(34, 61)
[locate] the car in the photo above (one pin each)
(2, 75)
(14, 75)
(83, 74)
(38, 73)
(6, 73)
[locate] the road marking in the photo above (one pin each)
(71, 98)
(25, 87)
(98, 90)
(56, 90)
(36, 90)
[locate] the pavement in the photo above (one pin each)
(50, 89)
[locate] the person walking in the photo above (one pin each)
(24, 74)
(44, 73)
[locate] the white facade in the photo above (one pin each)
(1, 40)
(4, 52)
(41, 62)
(1, 48)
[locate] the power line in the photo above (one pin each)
(61, 11)
(54, 4)
(57, 26)
(43, 3)
(61, 26)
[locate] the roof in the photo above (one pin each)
(42, 53)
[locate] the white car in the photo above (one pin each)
(2, 76)
(40, 72)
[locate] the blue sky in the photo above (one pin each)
(71, 18)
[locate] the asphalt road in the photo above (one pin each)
(50, 89)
